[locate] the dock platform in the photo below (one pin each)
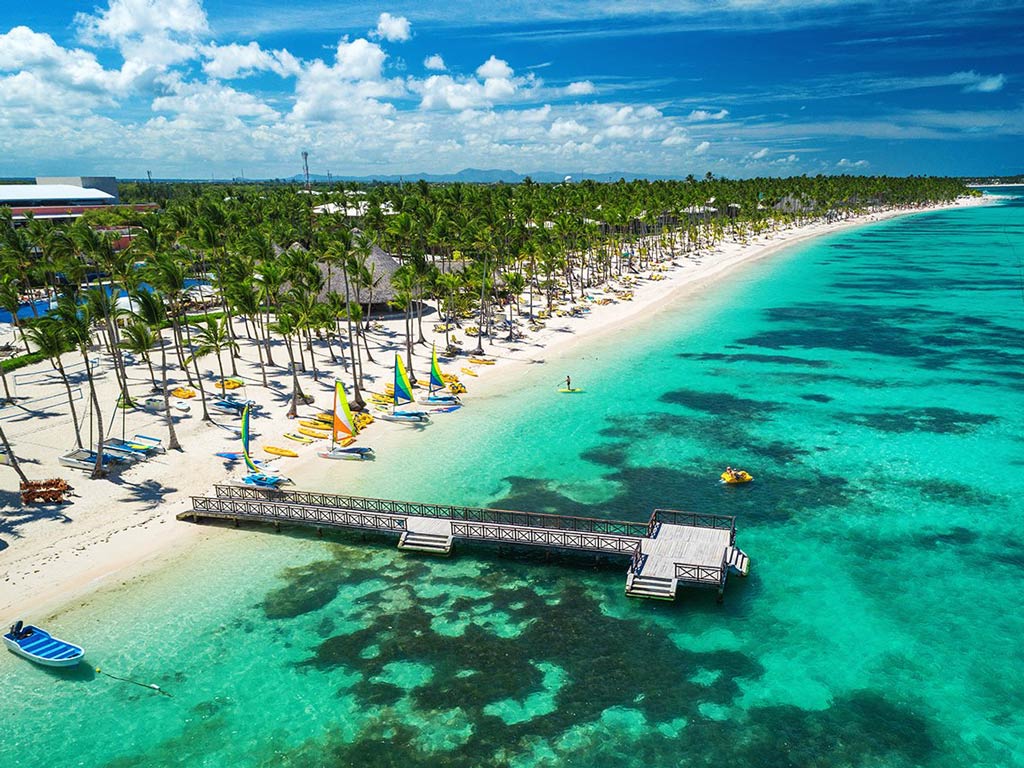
(672, 549)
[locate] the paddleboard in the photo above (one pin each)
(273, 449)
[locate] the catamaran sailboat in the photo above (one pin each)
(402, 395)
(344, 431)
(435, 395)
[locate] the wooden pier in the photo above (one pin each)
(670, 550)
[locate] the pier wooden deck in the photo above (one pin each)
(671, 549)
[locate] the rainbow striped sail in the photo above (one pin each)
(245, 441)
(403, 389)
(436, 382)
(344, 424)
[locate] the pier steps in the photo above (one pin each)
(434, 543)
(737, 560)
(651, 587)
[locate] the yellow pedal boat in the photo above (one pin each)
(229, 384)
(736, 476)
(274, 450)
(183, 392)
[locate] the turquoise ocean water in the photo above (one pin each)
(870, 380)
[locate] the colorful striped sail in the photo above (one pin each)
(403, 389)
(245, 441)
(344, 424)
(436, 382)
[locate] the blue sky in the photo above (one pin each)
(208, 88)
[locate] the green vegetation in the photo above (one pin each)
(279, 266)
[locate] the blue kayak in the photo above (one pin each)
(40, 646)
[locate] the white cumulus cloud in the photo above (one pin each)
(227, 62)
(580, 88)
(359, 59)
(139, 18)
(394, 29)
(435, 62)
(701, 148)
(495, 69)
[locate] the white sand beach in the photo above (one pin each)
(124, 526)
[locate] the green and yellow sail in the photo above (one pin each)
(403, 388)
(245, 441)
(436, 380)
(344, 424)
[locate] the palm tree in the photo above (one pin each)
(138, 338)
(166, 273)
(213, 336)
(514, 284)
(76, 326)
(286, 326)
(149, 309)
(10, 300)
(50, 339)
(404, 282)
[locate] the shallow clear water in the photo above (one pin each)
(871, 382)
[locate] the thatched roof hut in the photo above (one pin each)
(381, 265)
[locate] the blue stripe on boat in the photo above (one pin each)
(54, 652)
(35, 642)
(42, 650)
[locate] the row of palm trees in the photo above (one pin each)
(273, 261)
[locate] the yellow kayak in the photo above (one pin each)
(183, 392)
(470, 372)
(736, 476)
(312, 424)
(481, 361)
(319, 435)
(326, 418)
(297, 438)
(273, 449)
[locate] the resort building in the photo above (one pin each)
(60, 198)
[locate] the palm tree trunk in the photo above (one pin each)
(220, 365)
(7, 388)
(97, 470)
(266, 339)
(199, 379)
(172, 436)
(11, 457)
(71, 400)
(293, 409)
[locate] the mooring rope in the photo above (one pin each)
(151, 686)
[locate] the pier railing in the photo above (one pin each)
(266, 510)
(546, 537)
(694, 519)
(614, 528)
(703, 575)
